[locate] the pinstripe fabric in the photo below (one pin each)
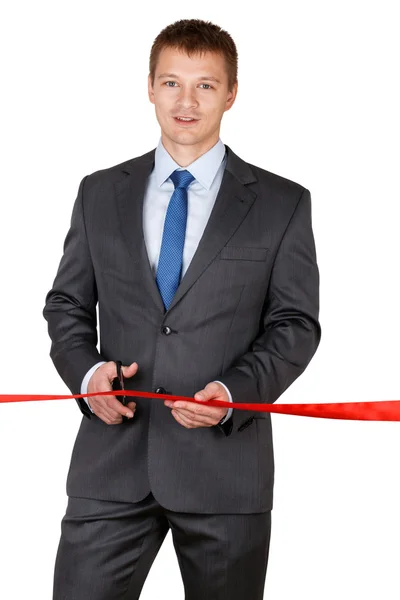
(170, 262)
(245, 313)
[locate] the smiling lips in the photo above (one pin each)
(185, 121)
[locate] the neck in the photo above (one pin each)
(185, 154)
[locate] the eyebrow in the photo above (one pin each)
(204, 78)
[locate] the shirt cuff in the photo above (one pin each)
(230, 410)
(86, 380)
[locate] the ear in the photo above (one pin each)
(230, 99)
(150, 90)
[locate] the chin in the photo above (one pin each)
(183, 137)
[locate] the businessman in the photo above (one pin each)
(204, 271)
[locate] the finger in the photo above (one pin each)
(100, 409)
(130, 370)
(112, 408)
(194, 420)
(131, 406)
(114, 417)
(181, 419)
(106, 410)
(107, 420)
(114, 404)
(196, 414)
(119, 408)
(211, 390)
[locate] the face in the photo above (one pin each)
(195, 87)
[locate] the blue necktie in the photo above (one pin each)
(170, 262)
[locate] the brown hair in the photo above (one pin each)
(196, 36)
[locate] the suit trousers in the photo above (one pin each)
(107, 548)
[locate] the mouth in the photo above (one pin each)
(185, 121)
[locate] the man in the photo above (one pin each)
(204, 271)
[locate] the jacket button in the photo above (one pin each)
(166, 330)
(160, 390)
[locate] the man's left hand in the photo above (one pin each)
(190, 414)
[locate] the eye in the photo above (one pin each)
(167, 82)
(209, 86)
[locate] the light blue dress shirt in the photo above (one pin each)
(208, 171)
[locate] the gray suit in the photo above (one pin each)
(245, 313)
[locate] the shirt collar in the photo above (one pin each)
(203, 169)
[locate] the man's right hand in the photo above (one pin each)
(108, 408)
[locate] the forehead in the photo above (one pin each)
(172, 60)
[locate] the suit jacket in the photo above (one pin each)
(245, 313)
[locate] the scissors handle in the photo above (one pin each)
(118, 384)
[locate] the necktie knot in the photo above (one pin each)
(181, 179)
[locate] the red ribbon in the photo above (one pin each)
(383, 410)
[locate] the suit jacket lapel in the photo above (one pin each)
(232, 204)
(130, 193)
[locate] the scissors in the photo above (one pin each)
(118, 384)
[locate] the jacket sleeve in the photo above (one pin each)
(290, 331)
(70, 307)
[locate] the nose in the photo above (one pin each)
(187, 98)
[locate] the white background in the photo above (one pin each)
(318, 103)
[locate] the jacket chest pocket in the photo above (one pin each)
(243, 264)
